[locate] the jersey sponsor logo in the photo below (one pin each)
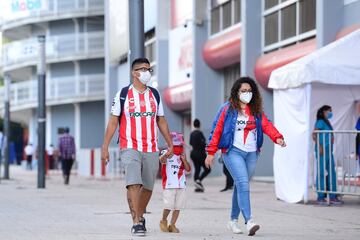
(241, 122)
(142, 114)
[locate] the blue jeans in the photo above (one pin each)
(326, 182)
(241, 166)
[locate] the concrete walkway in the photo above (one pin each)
(97, 209)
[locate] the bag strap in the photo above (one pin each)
(156, 94)
(123, 93)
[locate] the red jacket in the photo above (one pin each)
(222, 134)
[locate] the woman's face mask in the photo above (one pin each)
(329, 115)
(245, 97)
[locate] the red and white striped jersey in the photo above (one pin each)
(138, 126)
(173, 173)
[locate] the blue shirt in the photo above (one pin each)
(322, 125)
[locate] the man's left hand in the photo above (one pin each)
(170, 152)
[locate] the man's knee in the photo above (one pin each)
(133, 187)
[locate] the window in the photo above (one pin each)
(307, 15)
(271, 28)
(215, 20)
(224, 14)
(287, 22)
(231, 74)
(237, 11)
(270, 3)
(150, 46)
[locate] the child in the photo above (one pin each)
(174, 182)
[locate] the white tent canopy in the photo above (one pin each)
(328, 76)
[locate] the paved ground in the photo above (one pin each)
(97, 209)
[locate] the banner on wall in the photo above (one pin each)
(13, 9)
(180, 54)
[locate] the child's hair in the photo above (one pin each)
(177, 138)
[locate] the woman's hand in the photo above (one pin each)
(281, 142)
(209, 160)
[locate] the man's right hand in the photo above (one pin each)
(209, 161)
(105, 155)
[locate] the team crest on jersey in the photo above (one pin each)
(131, 100)
(142, 103)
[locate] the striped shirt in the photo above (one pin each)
(66, 146)
(138, 126)
(173, 173)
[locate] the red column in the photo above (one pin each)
(46, 164)
(103, 170)
(92, 163)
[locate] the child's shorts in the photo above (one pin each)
(174, 199)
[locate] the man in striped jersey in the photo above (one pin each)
(139, 113)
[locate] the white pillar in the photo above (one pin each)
(77, 125)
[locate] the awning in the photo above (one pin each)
(223, 50)
(178, 97)
(271, 61)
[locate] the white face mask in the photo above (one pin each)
(245, 97)
(145, 77)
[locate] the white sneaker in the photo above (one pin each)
(252, 227)
(233, 225)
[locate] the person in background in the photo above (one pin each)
(1, 143)
(50, 153)
(324, 147)
(229, 183)
(67, 154)
(238, 131)
(173, 183)
(198, 155)
(357, 141)
(29, 152)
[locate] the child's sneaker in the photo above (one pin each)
(233, 225)
(252, 227)
(173, 228)
(163, 226)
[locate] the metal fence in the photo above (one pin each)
(337, 164)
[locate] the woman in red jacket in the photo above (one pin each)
(238, 131)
